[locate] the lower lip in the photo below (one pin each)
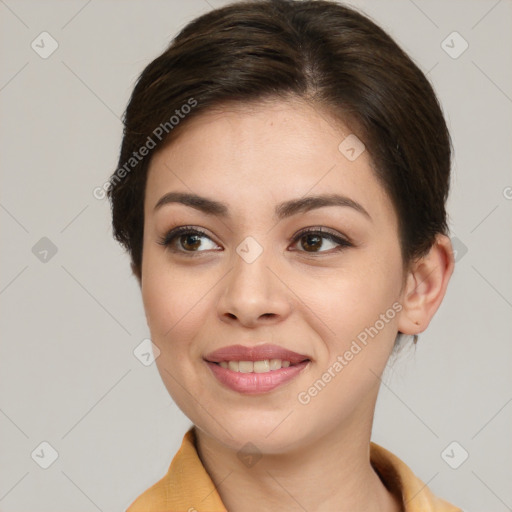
(255, 383)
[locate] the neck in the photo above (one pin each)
(330, 473)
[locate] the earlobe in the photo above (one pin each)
(426, 286)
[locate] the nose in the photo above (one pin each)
(254, 293)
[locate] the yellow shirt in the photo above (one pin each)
(187, 487)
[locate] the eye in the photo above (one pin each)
(187, 239)
(313, 239)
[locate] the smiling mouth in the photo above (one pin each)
(256, 370)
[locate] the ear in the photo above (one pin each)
(426, 286)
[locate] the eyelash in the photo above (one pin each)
(169, 238)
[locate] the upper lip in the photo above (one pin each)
(255, 353)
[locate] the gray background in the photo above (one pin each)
(71, 320)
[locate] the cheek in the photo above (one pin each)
(357, 319)
(175, 299)
(168, 303)
(349, 301)
(356, 310)
(174, 309)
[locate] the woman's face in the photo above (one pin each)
(251, 277)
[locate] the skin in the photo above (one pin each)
(314, 456)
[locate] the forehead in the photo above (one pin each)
(278, 150)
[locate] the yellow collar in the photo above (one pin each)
(187, 487)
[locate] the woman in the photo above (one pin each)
(281, 191)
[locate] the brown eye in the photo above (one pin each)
(313, 240)
(190, 242)
(186, 240)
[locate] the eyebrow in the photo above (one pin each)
(282, 210)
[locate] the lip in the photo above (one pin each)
(255, 353)
(255, 383)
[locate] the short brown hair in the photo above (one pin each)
(320, 51)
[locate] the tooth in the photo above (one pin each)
(261, 366)
(275, 364)
(245, 366)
